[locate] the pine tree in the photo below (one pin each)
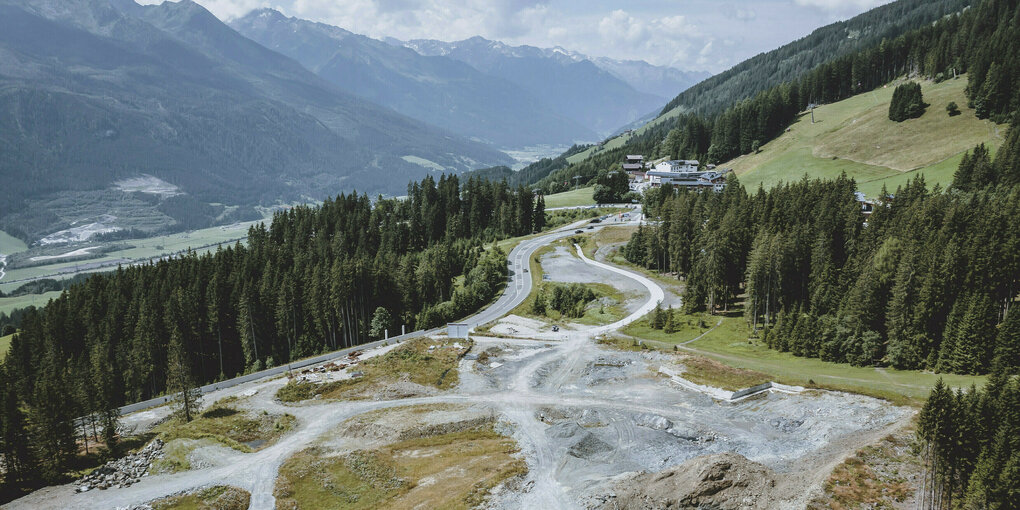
(658, 317)
(1007, 343)
(180, 380)
(669, 324)
(539, 215)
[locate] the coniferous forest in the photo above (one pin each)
(925, 281)
(318, 279)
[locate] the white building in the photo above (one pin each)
(678, 166)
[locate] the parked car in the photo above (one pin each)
(596, 220)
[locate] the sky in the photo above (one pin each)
(704, 35)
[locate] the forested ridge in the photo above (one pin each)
(823, 45)
(723, 121)
(926, 281)
(320, 278)
(982, 41)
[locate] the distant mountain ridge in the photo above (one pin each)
(442, 91)
(662, 81)
(574, 86)
(93, 91)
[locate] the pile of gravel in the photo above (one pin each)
(723, 481)
(123, 472)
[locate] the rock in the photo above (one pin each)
(723, 481)
(123, 472)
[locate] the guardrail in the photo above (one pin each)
(277, 370)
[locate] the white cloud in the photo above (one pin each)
(693, 34)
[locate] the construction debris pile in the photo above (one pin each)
(123, 472)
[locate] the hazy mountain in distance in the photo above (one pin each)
(92, 91)
(438, 90)
(574, 87)
(662, 81)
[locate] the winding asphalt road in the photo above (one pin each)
(516, 292)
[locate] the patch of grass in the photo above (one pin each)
(572, 198)
(730, 343)
(5, 345)
(454, 471)
(875, 476)
(603, 314)
(856, 136)
(702, 370)
(219, 497)
(244, 431)
(413, 361)
(37, 300)
(10, 245)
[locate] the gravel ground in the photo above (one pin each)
(582, 415)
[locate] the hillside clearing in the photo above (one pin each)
(5, 345)
(856, 136)
(572, 198)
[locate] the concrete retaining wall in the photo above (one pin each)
(752, 390)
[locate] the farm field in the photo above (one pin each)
(141, 249)
(5, 345)
(10, 303)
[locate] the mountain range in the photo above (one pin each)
(92, 91)
(268, 109)
(571, 84)
(509, 96)
(442, 91)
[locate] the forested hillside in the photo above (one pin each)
(824, 45)
(981, 41)
(926, 281)
(315, 281)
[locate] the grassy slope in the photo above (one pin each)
(581, 196)
(5, 345)
(37, 300)
(10, 244)
(868, 146)
(461, 468)
(729, 344)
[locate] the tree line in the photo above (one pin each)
(970, 446)
(318, 279)
(926, 281)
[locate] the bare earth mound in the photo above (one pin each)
(723, 481)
